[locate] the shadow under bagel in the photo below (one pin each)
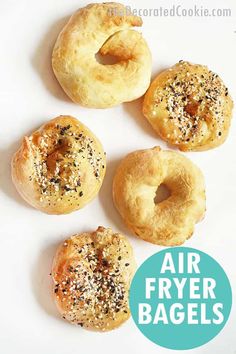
(41, 60)
(106, 199)
(134, 110)
(41, 281)
(6, 184)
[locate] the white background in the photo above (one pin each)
(29, 96)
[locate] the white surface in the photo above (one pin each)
(29, 96)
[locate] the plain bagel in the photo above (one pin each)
(136, 181)
(106, 29)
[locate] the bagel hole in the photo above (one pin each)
(106, 59)
(162, 193)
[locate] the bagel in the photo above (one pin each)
(137, 179)
(106, 29)
(189, 107)
(60, 167)
(92, 274)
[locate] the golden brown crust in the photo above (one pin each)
(136, 181)
(102, 28)
(189, 107)
(92, 274)
(60, 167)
